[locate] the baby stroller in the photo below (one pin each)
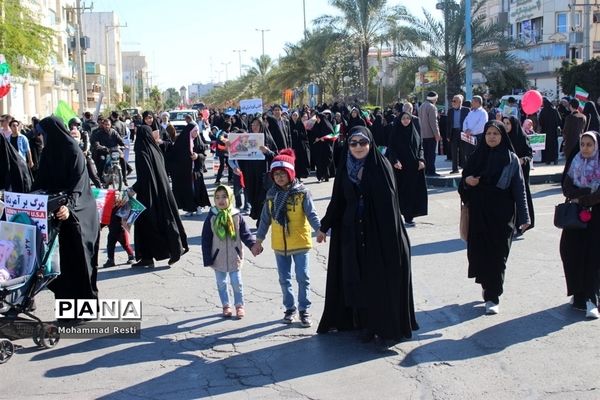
(17, 293)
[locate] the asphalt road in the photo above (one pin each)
(536, 348)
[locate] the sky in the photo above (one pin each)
(193, 41)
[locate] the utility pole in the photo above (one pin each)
(240, 58)
(226, 70)
(79, 54)
(468, 52)
(262, 31)
(107, 28)
(304, 13)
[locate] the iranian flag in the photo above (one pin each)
(582, 96)
(4, 76)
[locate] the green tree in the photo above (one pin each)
(585, 75)
(172, 98)
(490, 43)
(367, 23)
(154, 101)
(23, 41)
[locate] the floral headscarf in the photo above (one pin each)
(585, 172)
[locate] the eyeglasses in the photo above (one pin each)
(362, 143)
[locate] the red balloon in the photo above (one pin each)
(531, 102)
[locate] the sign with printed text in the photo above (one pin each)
(251, 106)
(246, 146)
(537, 141)
(465, 137)
(34, 205)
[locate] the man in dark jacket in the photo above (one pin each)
(103, 140)
(117, 124)
(456, 117)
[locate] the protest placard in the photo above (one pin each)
(537, 141)
(34, 205)
(251, 106)
(465, 137)
(246, 146)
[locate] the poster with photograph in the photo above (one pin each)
(17, 249)
(246, 146)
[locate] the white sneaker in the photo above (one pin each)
(592, 310)
(491, 308)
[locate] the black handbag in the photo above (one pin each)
(566, 216)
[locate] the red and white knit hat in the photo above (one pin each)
(285, 161)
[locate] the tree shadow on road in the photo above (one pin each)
(495, 338)
(443, 246)
(224, 362)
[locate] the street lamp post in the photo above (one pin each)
(107, 28)
(468, 52)
(423, 69)
(262, 31)
(226, 70)
(240, 58)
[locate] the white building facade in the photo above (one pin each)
(37, 94)
(135, 75)
(103, 29)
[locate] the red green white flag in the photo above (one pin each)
(4, 76)
(582, 96)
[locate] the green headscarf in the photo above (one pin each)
(224, 225)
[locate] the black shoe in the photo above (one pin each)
(109, 263)
(217, 182)
(366, 335)
(173, 260)
(305, 319)
(143, 263)
(289, 316)
(130, 259)
(129, 169)
(409, 224)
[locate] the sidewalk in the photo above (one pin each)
(541, 173)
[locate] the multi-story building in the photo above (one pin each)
(39, 91)
(135, 75)
(103, 29)
(549, 32)
(197, 90)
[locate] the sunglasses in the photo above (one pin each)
(362, 143)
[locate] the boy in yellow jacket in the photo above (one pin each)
(291, 211)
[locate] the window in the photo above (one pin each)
(530, 31)
(562, 23)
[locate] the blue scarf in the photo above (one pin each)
(353, 166)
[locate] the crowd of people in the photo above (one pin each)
(380, 161)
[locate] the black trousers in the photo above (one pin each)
(493, 286)
(455, 150)
(429, 151)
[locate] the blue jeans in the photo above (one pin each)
(235, 278)
(284, 268)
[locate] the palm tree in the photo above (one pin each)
(366, 22)
(490, 43)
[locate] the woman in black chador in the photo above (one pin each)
(63, 169)
(550, 121)
(158, 232)
(492, 188)
(405, 153)
(322, 134)
(189, 188)
(369, 285)
(300, 146)
(14, 174)
(578, 247)
(520, 142)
